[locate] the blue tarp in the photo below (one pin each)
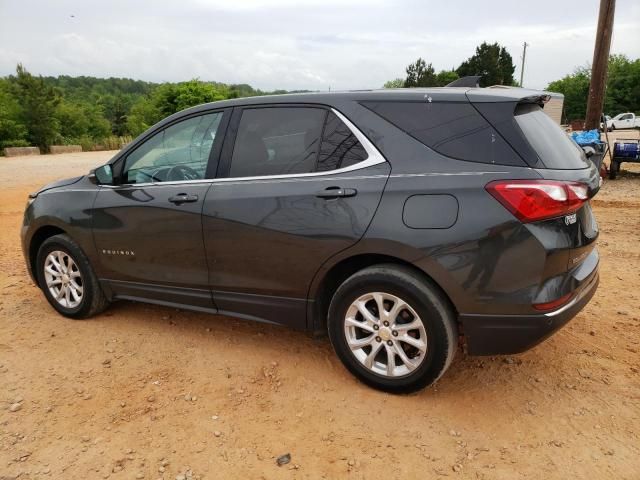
(588, 137)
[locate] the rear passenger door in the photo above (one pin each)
(296, 185)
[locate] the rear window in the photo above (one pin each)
(553, 146)
(454, 129)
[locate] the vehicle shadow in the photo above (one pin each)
(466, 376)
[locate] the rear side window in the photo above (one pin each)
(292, 140)
(553, 146)
(277, 141)
(454, 129)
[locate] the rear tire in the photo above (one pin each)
(406, 347)
(67, 279)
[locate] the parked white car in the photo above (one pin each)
(623, 120)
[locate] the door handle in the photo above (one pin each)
(336, 192)
(183, 198)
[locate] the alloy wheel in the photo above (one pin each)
(385, 334)
(63, 279)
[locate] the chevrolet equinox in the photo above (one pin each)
(401, 222)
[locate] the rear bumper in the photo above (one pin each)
(509, 334)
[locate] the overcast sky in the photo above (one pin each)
(299, 44)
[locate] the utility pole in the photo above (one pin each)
(600, 64)
(524, 54)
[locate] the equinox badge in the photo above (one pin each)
(129, 253)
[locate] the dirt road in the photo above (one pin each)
(150, 392)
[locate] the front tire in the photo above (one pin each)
(392, 328)
(67, 279)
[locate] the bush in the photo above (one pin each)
(85, 141)
(89, 144)
(13, 143)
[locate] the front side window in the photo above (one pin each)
(179, 152)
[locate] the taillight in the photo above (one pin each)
(533, 200)
(553, 304)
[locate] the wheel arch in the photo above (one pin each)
(331, 277)
(37, 239)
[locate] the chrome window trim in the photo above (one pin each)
(374, 157)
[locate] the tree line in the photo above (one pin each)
(495, 65)
(64, 110)
(491, 61)
(622, 93)
(44, 111)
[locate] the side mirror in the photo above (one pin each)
(102, 175)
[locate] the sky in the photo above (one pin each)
(299, 44)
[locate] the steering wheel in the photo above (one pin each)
(182, 172)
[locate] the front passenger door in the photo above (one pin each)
(148, 229)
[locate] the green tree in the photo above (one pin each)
(196, 92)
(98, 126)
(38, 102)
(623, 85)
(575, 88)
(419, 74)
(445, 77)
(395, 83)
(78, 120)
(492, 62)
(12, 131)
(72, 120)
(116, 108)
(170, 98)
(85, 110)
(142, 115)
(622, 95)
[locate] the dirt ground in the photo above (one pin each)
(150, 392)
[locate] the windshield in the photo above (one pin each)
(553, 146)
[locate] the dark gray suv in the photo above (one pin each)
(401, 222)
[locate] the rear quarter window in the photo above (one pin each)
(454, 129)
(340, 148)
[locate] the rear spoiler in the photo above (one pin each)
(501, 93)
(517, 94)
(472, 81)
(538, 99)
